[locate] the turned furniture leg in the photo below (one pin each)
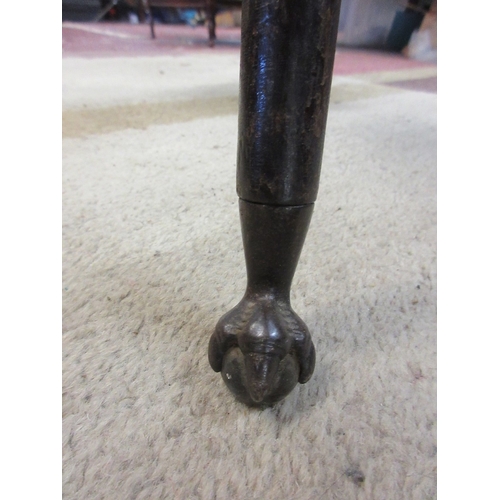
(261, 346)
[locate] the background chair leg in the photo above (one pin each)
(140, 11)
(210, 11)
(261, 346)
(151, 21)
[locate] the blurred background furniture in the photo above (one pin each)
(209, 7)
(80, 10)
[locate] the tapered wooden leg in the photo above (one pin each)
(261, 347)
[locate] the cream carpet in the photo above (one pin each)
(152, 257)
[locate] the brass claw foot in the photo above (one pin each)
(262, 349)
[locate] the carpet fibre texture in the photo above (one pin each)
(152, 257)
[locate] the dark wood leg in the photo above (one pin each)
(261, 346)
(140, 11)
(151, 20)
(210, 11)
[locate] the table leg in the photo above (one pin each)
(261, 346)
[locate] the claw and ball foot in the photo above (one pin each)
(261, 347)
